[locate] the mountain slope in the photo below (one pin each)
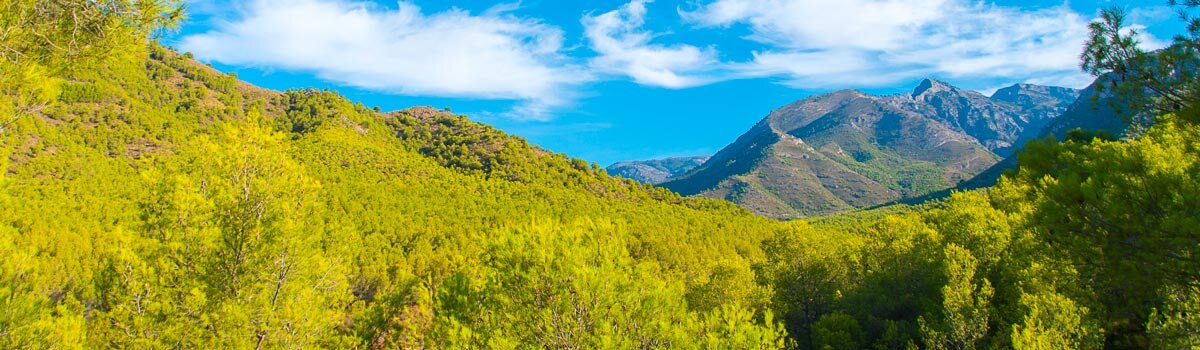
(1042, 105)
(847, 149)
(1090, 111)
(1093, 110)
(996, 124)
(655, 171)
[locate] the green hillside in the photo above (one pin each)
(155, 202)
(148, 201)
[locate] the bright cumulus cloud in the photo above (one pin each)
(402, 50)
(871, 42)
(625, 48)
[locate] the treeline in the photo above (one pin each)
(1090, 245)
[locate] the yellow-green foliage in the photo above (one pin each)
(1091, 244)
(158, 203)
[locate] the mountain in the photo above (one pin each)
(998, 122)
(1091, 110)
(1041, 105)
(656, 171)
(848, 149)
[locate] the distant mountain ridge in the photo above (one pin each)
(1092, 110)
(656, 171)
(848, 149)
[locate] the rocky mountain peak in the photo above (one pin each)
(1029, 95)
(802, 112)
(656, 171)
(929, 86)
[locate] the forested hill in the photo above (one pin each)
(159, 202)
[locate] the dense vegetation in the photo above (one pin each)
(148, 201)
(1088, 246)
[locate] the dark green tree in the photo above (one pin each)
(1145, 82)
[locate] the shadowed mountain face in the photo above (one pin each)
(1042, 106)
(1092, 110)
(847, 149)
(655, 171)
(998, 122)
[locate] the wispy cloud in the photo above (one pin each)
(454, 53)
(815, 43)
(625, 48)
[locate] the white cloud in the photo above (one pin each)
(816, 43)
(402, 50)
(1146, 41)
(625, 48)
(867, 24)
(832, 68)
(498, 55)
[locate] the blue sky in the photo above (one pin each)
(622, 80)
